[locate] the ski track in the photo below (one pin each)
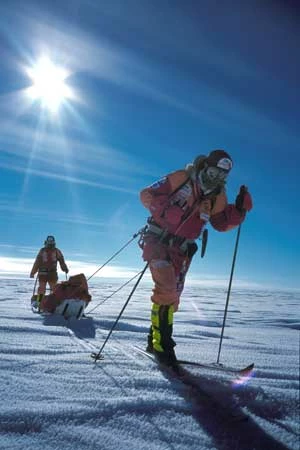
(57, 396)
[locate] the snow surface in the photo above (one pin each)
(53, 396)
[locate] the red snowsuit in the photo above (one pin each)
(46, 266)
(180, 210)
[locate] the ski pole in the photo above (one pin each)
(204, 242)
(229, 288)
(97, 356)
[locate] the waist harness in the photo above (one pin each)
(169, 238)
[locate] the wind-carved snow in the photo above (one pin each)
(54, 396)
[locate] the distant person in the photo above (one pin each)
(181, 204)
(46, 266)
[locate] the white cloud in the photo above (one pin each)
(66, 178)
(10, 266)
(59, 216)
(21, 267)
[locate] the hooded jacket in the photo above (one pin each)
(178, 205)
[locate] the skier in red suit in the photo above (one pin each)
(46, 266)
(181, 204)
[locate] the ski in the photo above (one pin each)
(213, 366)
(229, 411)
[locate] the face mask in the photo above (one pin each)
(210, 178)
(215, 173)
(50, 242)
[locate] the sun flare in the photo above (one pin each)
(48, 84)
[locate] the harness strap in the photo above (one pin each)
(47, 270)
(168, 238)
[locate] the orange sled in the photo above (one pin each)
(69, 298)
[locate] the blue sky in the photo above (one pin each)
(154, 84)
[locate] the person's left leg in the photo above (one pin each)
(52, 280)
(42, 284)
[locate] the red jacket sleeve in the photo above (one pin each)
(37, 263)
(61, 260)
(156, 194)
(227, 219)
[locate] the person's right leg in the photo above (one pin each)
(164, 297)
(41, 289)
(162, 328)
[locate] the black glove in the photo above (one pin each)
(243, 201)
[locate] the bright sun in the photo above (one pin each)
(48, 84)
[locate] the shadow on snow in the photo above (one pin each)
(215, 407)
(83, 328)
